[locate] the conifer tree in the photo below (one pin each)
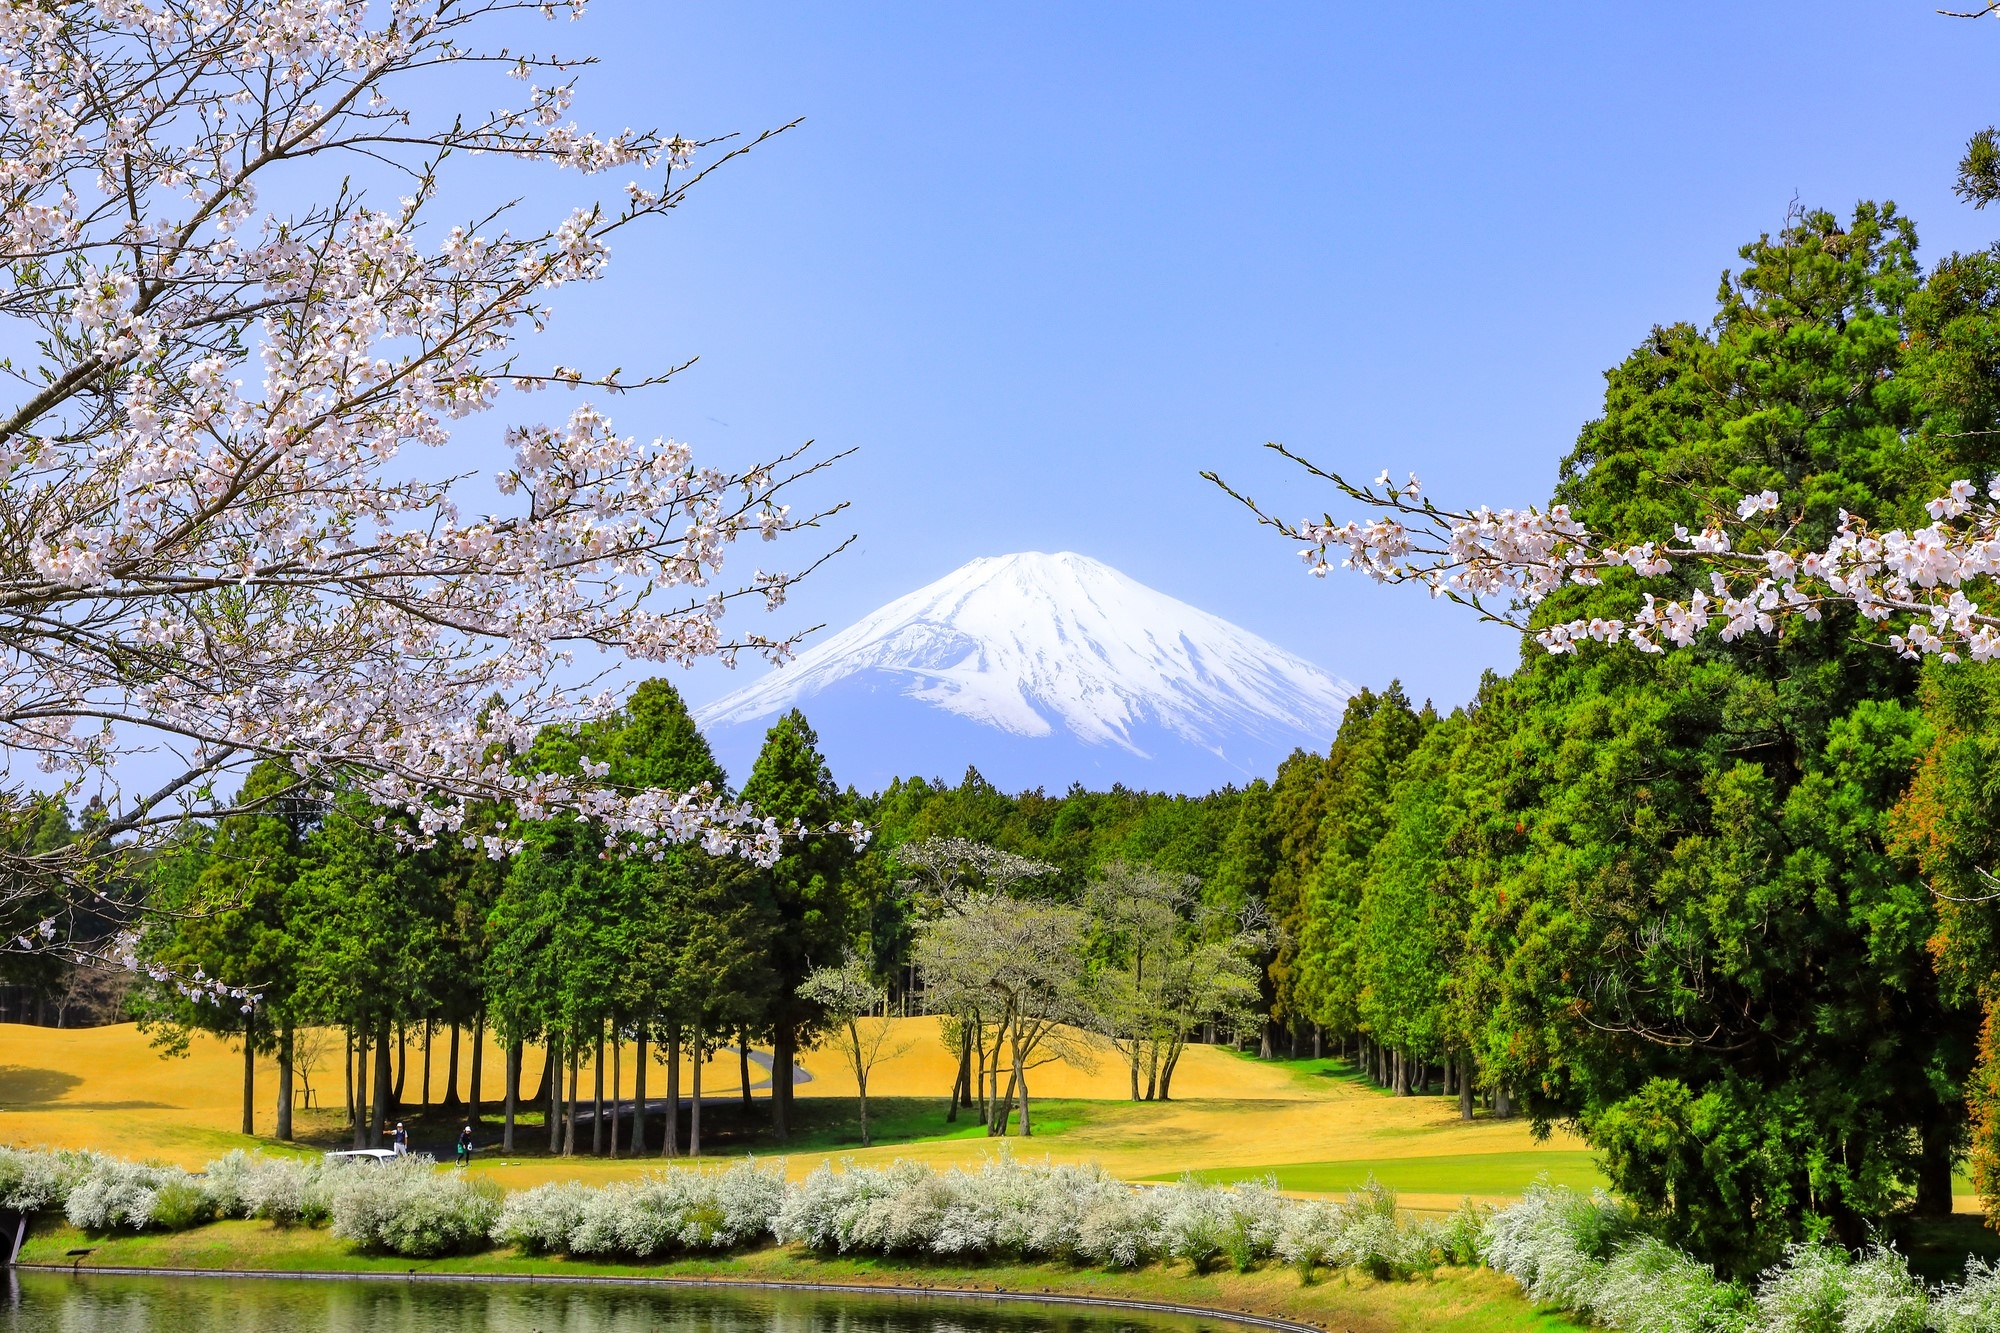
(805, 894)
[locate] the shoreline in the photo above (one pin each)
(900, 1291)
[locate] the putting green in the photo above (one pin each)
(1481, 1174)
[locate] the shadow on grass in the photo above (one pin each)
(26, 1088)
(728, 1129)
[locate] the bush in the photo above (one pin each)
(1649, 1287)
(1555, 1243)
(1310, 1236)
(115, 1195)
(31, 1180)
(410, 1208)
(180, 1204)
(288, 1192)
(1194, 1223)
(1973, 1306)
(1804, 1292)
(664, 1212)
(542, 1220)
(1122, 1228)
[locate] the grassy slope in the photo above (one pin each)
(1454, 1301)
(1233, 1115)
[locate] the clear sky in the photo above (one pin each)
(1044, 263)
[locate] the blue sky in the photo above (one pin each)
(1043, 264)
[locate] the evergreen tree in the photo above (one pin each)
(805, 896)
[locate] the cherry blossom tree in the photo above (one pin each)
(214, 547)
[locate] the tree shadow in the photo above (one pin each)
(24, 1087)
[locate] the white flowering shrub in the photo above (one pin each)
(542, 1220)
(1804, 1292)
(32, 1179)
(227, 1179)
(662, 1213)
(1194, 1223)
(115, 1195)
(288, 1191)
(1883, 1296)
(1123, 1230)
(408, 1207)
(1310, 1236)
(1555, 1243)
(1650, 1287)
(1973, 1306)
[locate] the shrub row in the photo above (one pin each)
(1585, 1254)
(1580, 1252)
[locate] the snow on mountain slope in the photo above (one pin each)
(1065, 669)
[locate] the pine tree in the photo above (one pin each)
(806, 893)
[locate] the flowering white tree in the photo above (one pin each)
(1927, 591)
(211, 546)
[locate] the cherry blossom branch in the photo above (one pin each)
(1928, 590)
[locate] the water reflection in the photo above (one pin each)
(58, 1303)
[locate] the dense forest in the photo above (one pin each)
(1729, 912)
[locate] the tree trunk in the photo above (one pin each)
(451, 1101)
(1503, 1106)
(996, 1128)
(1167, 1069)
(347, 1069)
(1465, 1087)
(694, 1107)
(478, 1060)
(569, 1119)
(1264, 1048)
(513, 1081)
(285, 1034)
(985, 1110)
(379, 1113)
(250, 1072)
(617, 1049)
(1135, 1066)
(961, 1089)
(860, 1082)
(427, 1062)
(1318, 1043)
(639, 1093)
(361, 1071)
(554, 1102)
(1934, 1169)
(541, 1093)
(743, 1065)
(402, 1064)
(1021, 1085)
(784, 1046)
(597, 1102)
(670, 1140)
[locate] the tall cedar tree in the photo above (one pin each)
(1709, 957)
(805, 893)
(1377, 734)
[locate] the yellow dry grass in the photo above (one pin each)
(109, 1089)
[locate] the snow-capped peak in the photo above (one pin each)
(1032, 644)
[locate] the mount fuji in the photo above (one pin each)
(1040, 670)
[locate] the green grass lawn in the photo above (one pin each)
(1451, 1301)
(1472, 1173)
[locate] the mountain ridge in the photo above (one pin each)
(1064, 668)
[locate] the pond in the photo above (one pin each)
(60, 1303)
